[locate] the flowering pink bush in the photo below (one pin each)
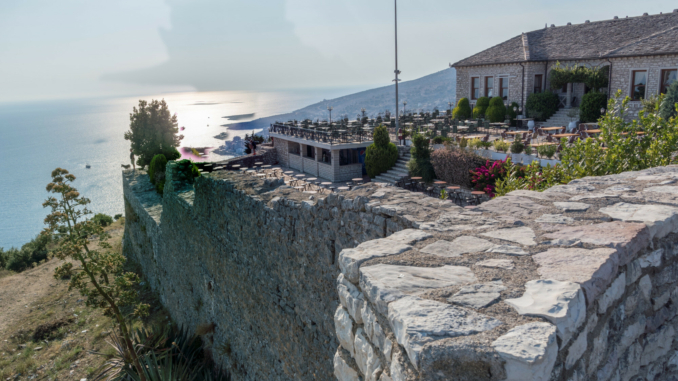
(485, 177)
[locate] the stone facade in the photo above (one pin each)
(579, 282)
(254, 260)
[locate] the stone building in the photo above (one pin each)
(641, 52)
(330, 156)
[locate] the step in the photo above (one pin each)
(391, 177)
(381, 179)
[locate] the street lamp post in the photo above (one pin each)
(450, 104)
(396, 80)
(404, 104)
(330, 108)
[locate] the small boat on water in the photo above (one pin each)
(88, 166)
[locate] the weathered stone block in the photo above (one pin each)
(460, 245)
(383, 284)
(343, 371)
(660, 219)
(612, 294)
(577, 349)
(530, 351)
(351, 259)
(350, 298)
(562, 303)
(344, 329)
(478, 295)
(523, 235)
(366, 358)
(657, 345)
(417, 322)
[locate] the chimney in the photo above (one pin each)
(526, 47)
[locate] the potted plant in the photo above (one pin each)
(528, 156)
(501, 147)
(573, 114)
(517, 148)
(547, 151)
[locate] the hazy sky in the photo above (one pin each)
(78, 48)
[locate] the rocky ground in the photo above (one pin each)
(69, 331)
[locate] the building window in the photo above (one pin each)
(638, 84)
(538, 83)
(310, 152)
(326, 156)
(489, 85)
(349, 156)
(668, 77)
(503, 88)
(475, 88)
(294, 149)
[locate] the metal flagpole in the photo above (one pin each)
(397, 116)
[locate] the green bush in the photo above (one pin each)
(153, 130)
(463, 110)
(453, 165)
(481, 107)
(591, 104)
(500, 145)
(157, 168)
(420, 164)
(441, 139)
(542, 105)
(667, 109)
(497, 111)
(381, 155)
(117, 217)
(30, 254)
(547, 151)
(186, 171)
(517, 146)
(102, 219)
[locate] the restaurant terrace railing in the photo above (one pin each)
(329, 135)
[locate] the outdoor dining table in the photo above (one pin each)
(543, 144)
(551, 128)
(326, 183)
(477, 195)
(596, 131)
(439, 182)
(415, 178)
(357, 179)
(343, 188)
(564, 135)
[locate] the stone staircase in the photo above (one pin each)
(394, 174)
(560, 118)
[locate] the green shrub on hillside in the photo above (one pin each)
(381, 155)
(30, 254)
(667, 108)
(481, 107)
(186, 171)
(542, 105)
(102, 219)
(153, 130)
(591, 104)
(463, 110)
(156, 172)
(496, 111)
(441, 139)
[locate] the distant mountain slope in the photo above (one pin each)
(434, 90)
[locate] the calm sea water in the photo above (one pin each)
(37, 137)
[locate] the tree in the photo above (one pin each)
(420, 164)
(153, 130)
(497, 111)
(481, 107)
(667, 108)
(463, 109)
(381, 155)
(100, 278)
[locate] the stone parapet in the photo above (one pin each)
(579, 282)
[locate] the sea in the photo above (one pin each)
(37, 137)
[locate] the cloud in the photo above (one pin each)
(234, 45)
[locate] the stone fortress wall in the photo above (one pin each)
(575, 283)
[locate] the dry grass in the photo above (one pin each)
(65, 354)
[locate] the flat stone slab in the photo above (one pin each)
(478, 295)
(662, 189)
(572, 206)
(561, 303)
(660, 219)
(459, 221)
(594, 196)
(505, 264)
(461, 245)
(523, 235)
(508, 249)
(627, 238)
(511, 205)
(409, 236)
(351, 259)
(382, 284)
(554, 219)
(592, 269)
(530, 351)
(417, 322)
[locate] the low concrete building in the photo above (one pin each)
(641, 52)
(327, 155)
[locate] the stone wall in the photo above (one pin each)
(253, 263)
(579, 282)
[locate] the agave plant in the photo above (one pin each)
(165, 353)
